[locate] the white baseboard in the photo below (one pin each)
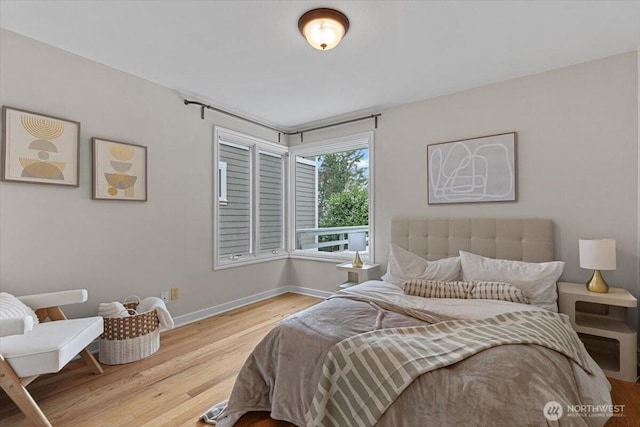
(308, 291)
(185, 319)
(195, 316)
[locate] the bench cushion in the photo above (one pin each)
(50, 345)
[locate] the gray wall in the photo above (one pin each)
(577, 159)
(578, 165)
(54, 238)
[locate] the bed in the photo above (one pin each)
(312, 369)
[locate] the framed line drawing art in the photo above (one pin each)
(473, 170)
(39, 149)
(119, 171)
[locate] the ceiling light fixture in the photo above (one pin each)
(323, 28)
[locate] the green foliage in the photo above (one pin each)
(348, 207)
(339, 172)
(343, 194)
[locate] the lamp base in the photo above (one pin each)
(357, 262)
(597, 283)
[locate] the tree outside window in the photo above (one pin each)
(343, 194)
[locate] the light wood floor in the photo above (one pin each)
(194, 369)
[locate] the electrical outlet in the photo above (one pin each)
(165, 296)
(175, 294)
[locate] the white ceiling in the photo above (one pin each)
(249, 57)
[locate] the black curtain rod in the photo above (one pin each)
(280, 131)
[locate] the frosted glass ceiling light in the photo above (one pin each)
(323, 28)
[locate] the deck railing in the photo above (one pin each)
(310, 238)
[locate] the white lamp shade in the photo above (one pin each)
(357, 241)
(598, 254)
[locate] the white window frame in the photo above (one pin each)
(334, 145)
(222, 183)
(255, 145)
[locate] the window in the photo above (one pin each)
(249, 215)
(234, 216)
(331, 196)
(271, 208)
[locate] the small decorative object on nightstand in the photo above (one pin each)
(357, 242)
(599, 254)
(601, 322)
(356, 275)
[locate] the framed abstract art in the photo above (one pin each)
(473, 170)
(39, 149)
(119, 171)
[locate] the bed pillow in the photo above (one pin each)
(465, 290)
(500, 291)
(436, 289)
(405, 265)
(536, 280)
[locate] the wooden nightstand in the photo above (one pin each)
(601, 322)
(358, 275)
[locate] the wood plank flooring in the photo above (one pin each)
(194, 369)
(627, 394)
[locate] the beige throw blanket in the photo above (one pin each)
(363, 375)
(505, 385)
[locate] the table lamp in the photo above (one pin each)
(357, 242)
(598, 254)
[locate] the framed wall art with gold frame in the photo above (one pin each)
(119, 171)
(39, 149)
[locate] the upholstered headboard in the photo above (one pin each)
(528, 240)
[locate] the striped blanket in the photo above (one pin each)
(364, 374)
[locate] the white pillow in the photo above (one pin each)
(536, 280)
(404, 265)
(12, 308)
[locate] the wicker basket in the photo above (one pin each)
(131, 338)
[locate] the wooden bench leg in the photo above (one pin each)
(91, 362)
(11, 384)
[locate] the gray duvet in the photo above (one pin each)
(503, 386)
